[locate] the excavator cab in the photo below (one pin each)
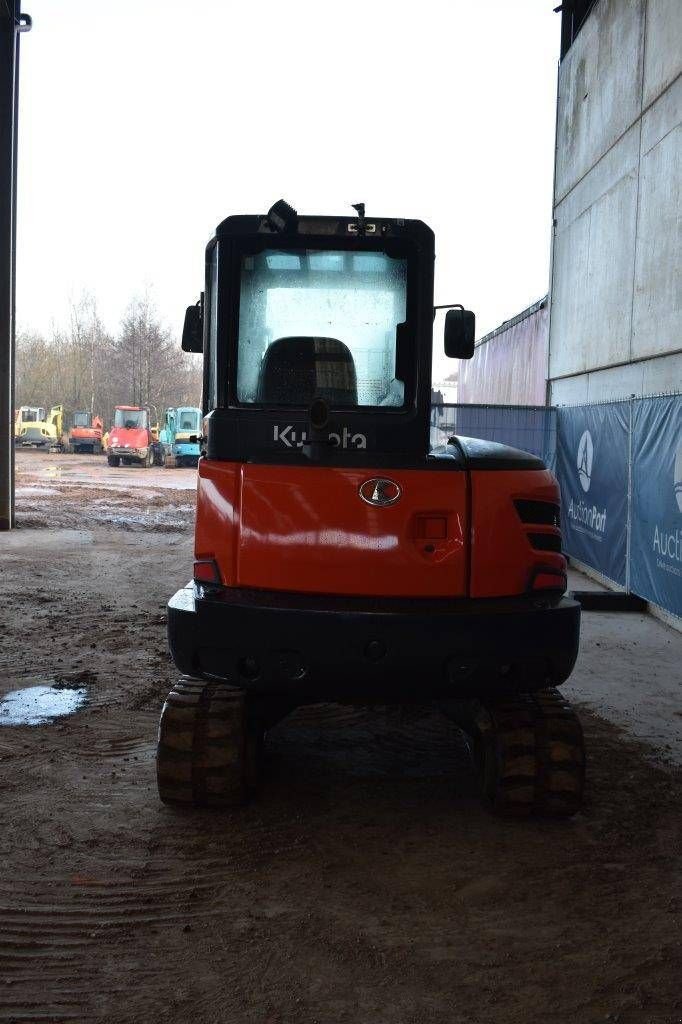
(24, 420)
(337, 555)
(318, 339)
(33, 428)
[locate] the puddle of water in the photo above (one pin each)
(157, 522)
(36, 705)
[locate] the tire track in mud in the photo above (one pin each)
(51, 926)
(214, 874)
(45, 946)
(116, 747)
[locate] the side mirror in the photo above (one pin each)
(460, 332)
(193, 330)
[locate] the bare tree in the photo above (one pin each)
(83, 367)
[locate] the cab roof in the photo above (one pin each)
(373, 229)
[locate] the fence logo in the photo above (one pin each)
(677, 480)
(585, 458)
(667, 542)
(586, 519)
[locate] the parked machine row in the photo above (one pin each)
(135, 438)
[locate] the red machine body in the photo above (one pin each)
(448, 535)
(130, 438)
(338, 555)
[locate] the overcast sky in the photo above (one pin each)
(146, 122)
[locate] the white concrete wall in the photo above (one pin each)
(615, 300)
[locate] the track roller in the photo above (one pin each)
(530, 754)
(209, 747)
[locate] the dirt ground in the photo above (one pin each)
(366, 884)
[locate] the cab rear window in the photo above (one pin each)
(320, 324)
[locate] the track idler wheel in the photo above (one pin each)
(209, 747)
(530, 755)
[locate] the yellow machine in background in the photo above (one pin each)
(32, 428)
(28, 414)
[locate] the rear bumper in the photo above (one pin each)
(313, 647)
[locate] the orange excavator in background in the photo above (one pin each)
(84, 434)
(338, 555)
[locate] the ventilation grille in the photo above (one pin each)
(539, 513)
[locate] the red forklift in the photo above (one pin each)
(338, 556)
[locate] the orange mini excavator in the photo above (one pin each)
(338, 557)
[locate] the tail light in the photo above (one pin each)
(546, 577)
(206, 571)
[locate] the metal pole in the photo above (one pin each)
(628, 524)
(11, 24)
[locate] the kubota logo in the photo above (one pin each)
(379, 491)
(585, 458)
(290, 437)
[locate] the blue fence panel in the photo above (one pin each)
(592, 467)
(620, 469)
(443, 423)
(656, 517)
(530, 428)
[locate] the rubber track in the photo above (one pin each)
(532, 755)
(201, 754)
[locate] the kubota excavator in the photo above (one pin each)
(338, 557)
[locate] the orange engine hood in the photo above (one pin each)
(307, 529)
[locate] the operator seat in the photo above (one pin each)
(296, 370)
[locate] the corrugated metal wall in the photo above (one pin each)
(509, 366)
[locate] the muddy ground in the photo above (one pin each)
(365, 885)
